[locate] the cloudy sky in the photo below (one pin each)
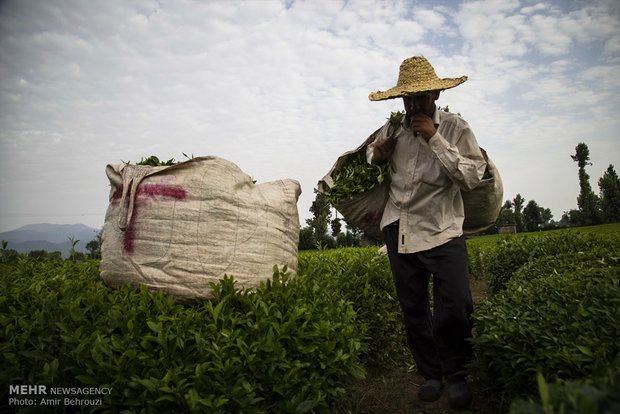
(281, 88)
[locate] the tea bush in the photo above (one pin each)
(289, 347)
(477, 248)
(572, 397)
(558, 316)
(295, 345)
(503, 259)
(362, 277)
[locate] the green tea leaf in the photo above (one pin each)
(153, 326)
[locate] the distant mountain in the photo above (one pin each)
(49, 237)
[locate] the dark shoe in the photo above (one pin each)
(459, 394)
(430, 390)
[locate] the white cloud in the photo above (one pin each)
(535, 8)
(612, 46)
(550, 36)
(605, 75)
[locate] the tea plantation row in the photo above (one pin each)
(295, 345)
(289, 347)
(550, 328)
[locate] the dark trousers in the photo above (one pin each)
(437, 340)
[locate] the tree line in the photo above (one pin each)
(93, 247)
(593, 209)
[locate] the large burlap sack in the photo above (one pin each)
(365, 210)
(177, 228)
(482, 205)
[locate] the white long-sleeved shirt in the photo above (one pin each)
(427, 180)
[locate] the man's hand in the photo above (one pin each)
(383, 149)
(424, 125)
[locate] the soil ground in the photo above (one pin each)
(395, 391)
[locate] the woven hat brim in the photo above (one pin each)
(427, 86)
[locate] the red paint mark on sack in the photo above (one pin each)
(372, 218)
(144, 193)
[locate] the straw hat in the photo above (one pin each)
(416, 76)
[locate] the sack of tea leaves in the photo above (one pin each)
(359, 191)
(175, 228)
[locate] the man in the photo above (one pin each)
(433, 157)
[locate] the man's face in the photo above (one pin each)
(421, 103)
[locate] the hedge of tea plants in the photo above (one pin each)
(503, 256)
(554, 312)
(363, 278)
(597, 396)
(294, 345)
(289, 347)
